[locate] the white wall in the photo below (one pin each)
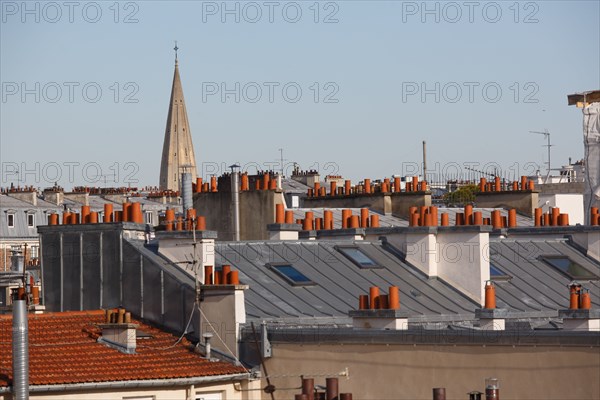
(571, 204)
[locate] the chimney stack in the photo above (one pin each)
(118, 332)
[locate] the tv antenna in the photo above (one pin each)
(281, 159)
(547, 136)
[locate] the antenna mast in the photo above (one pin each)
(547, 136)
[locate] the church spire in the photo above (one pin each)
(178, 149)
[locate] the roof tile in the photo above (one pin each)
(63, 349)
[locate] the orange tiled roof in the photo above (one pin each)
(63, 350)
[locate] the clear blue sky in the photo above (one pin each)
(401, 73)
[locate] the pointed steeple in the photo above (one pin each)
(178, 149)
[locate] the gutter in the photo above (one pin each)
(141, 383)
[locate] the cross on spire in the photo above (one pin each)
(176, 48)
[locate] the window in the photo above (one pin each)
(291, 274)
(568, 267)
(496, 274)
(358, 257)
(34, 251)
(148, 218)
(31, 220)
(10, 220)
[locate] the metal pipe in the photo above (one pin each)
(308, 388)
(20, 350)
(186, 191)
(424, 160)
(492, 389)
(332, 388)
(235, 199)
(207, 336)
(439, 393)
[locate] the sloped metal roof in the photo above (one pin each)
(535, 285)
(339, 281)
(293, 186)
(21, 209)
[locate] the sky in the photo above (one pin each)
(349, 88)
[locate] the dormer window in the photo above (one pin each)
(30, 220)
(10, 219)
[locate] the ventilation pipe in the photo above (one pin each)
(538, 217)
(347, 187)
(364, 217)
(125, 213)
(169, 219)
(20, 349)
(332, 390)
(374, 221)
(234, 278)
(279, 214)
(373, 297)
(575, 290)
(439, 393)
(492, 389)
(289, 217)
(207, 336)
(345, 218)
(424, 160)
(235, 198)
(512, 218)
(186, 190)
(208, 274)
(107, 213)
(490, 296)
(363, 302)
(394, 298)
(327, 219)
(585, 300)
(308, 388)
(225, 270)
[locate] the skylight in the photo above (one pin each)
(292, 275)
(358, 257)
(497, 274)
(568, 267)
